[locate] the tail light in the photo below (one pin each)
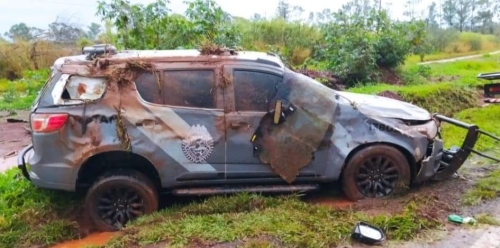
(44, 123)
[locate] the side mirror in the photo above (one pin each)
(277, 112)
(368, 234)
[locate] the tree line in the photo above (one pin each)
(354, 42)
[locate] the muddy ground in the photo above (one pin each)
(13, 136)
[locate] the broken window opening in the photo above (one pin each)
(83, 89)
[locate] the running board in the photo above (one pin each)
(251, 189)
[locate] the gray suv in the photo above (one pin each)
(125, 126)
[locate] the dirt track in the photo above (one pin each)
(457, 58)
(13, 137)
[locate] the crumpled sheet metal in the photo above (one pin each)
(322, 123)
(291, 145)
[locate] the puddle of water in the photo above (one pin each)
(98, 239)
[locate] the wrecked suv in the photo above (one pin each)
(126, 126)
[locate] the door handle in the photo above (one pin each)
(237, 125)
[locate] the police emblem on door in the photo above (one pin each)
(198, 144)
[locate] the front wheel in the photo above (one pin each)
(116, 199)
(375, 171)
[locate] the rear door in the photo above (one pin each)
(248, 99)
(184, 121)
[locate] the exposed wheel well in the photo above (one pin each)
(98, 164)
(409, 157)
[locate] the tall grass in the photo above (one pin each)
(19, 56)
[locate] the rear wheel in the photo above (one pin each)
(374, 172)
(118, 198)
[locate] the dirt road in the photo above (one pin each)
(13, 137)
(457, 58)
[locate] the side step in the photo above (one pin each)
(249, 189)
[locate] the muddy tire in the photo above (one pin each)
(117, 198)
(375, 172)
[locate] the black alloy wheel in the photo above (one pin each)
(377, 176)
(116, 199)
(375, 171)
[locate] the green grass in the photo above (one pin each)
(246, 216)
(30, 216)
(20, 94)
(487, 219)
(486, 188)
(443, 98)
(487, 118)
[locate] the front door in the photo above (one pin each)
(248, 98)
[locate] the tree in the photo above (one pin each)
(431, 20)
(310, 19)
(450, 12)
(20, 31)
(283, 10)
(411, 6)
(463, 13)
(485, 15)
(93, 30)
(296, 13)
(357, 45)
(473, 13)
(64, 33)
(153, 26)
(212, 23)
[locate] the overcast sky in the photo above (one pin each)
(40, 13)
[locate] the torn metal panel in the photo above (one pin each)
(290, 146)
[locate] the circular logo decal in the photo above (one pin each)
(198, 144)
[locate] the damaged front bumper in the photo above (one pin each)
(443, 163)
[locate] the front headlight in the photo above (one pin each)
(429, 129)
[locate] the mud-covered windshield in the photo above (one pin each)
(307, 125)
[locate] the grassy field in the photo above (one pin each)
(20, 94)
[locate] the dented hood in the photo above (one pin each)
(386, 107)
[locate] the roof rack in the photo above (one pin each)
(98, 50)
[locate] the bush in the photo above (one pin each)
(440, 39)
(294, 40)
(356, 46)
(475, 43)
